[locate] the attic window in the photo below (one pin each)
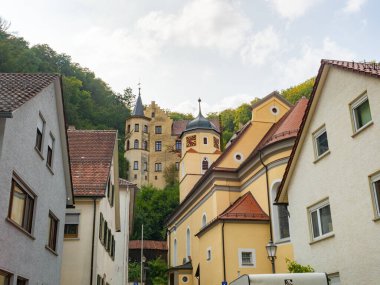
(238, 157)
(274, 110)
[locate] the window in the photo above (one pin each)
(101, 228)
(99, 280)
(128, 128)
(145, 145)
(49, 157)
(53, 231)
(158, 129)
(320, 219)
(158, 167)
(375, 185)
(178, 145)
(155, 177)
(110, 192)
(21, 206)
(204, 220)
(175, 253)
(280, 218)
(361, 113)
(145, 166)
(105, 233)
(208, 254)
(204, 140)
(136, 144)
(71, 225)
(247, 257)
(153, 114)
(4, 278)
(135, 165)
(320, 142)
(188, 252)
(145, 128)
(21, 281)
(128, 144)
(158, 146)
(177, 166)
(204, 164)
(334, 278)
(40, 133)
(137, 127)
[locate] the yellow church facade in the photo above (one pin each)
(226, 216)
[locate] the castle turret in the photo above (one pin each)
(200, 148)
(137, 144)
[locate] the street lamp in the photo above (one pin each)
(271, 250)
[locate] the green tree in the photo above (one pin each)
(171, 175)
(157, 272)
(152, 208)
(304, 89)
(127, 98)
(175, 116)
(134, 271)
(242, 115)
(295, 267)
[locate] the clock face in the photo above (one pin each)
(216, 142)
(191, 141)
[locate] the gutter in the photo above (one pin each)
(224, 255)
(269, 203)
(93, 244)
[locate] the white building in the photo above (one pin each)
(96, 231)
(332, 181)
(35, 183)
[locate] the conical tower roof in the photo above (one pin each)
(138, 110)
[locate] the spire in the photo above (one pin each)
(199, 102)
(200, 122)
(138, 110)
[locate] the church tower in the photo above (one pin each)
(137, 144)
(200, 148)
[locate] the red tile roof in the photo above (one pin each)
(245, 208)
(179, 126)
(18, 88)
(372, 69)
(91, 154)
(148, 244)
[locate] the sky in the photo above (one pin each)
(226, 52)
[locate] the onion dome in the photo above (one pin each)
(200, 122)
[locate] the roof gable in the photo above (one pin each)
(91, 154)
(18, 88)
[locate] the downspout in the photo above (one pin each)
(93, 243)
(269, 204)
(224, 256)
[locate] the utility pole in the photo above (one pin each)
(142, 253)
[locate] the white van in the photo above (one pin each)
(283, 279)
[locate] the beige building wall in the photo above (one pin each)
(156, 129)
(342, 177)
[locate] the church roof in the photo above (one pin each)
(138, 110)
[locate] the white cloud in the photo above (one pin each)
(291, 9)
(200, 24)
(353, 6)
(263, 45)
(298, 69)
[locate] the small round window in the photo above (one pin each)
(185, 279)
(274, 110)
(238, 157)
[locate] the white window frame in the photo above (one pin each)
(317, 207)
(316, 135)
(51, 144)
(240, 257)
(158, 167)
(275, 218)
(135, 165)
(354, 105)
(376, 200)
(42, 128)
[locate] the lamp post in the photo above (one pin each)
(271, 250)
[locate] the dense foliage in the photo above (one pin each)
(304, 89)
(295, 267)
(152, 208)
(156, 273)
(89, 101)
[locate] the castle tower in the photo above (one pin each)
(200, 148)
(137, 144)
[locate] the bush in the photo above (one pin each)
(295, 267)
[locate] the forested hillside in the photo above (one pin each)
(89, 101)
